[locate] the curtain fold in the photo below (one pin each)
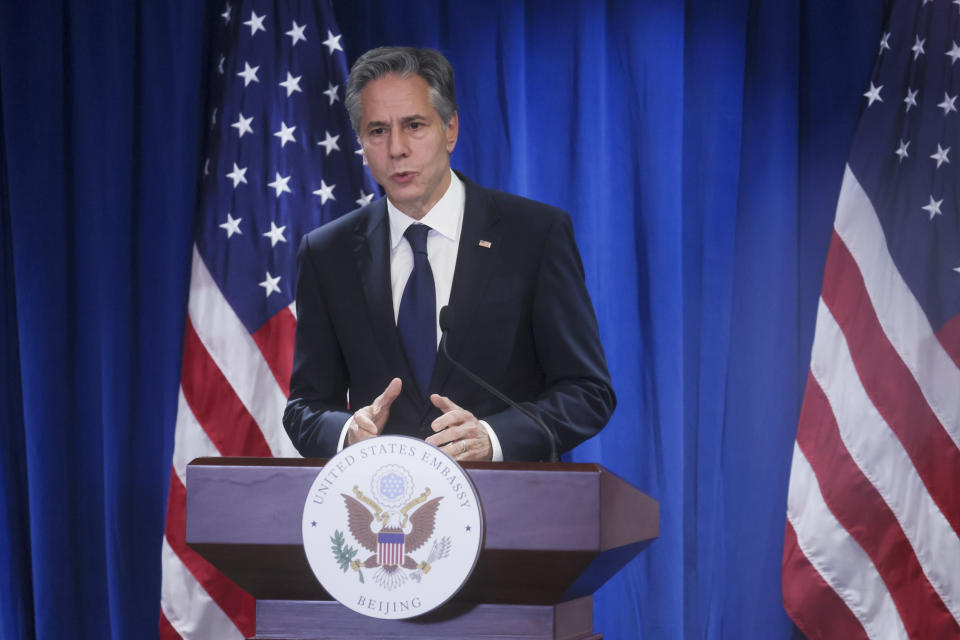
(698, 146)
(102, 129)
(16, 594)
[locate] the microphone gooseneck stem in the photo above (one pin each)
(444, 313)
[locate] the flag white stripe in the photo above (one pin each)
(837, 557)
(293, 309)
(881, 458)
(190, 440)
(238, 357)
(901, 317)
(188, 607)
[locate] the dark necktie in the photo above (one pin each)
(417, 318)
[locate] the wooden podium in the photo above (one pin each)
(554, 534)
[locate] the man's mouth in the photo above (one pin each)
(403, 177)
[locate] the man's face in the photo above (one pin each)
(406, 143)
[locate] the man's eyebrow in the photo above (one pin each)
(375, 124)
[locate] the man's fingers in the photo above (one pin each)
(385, 399)
(451, 418)
(449, 435)
(369, 421)
(365, 426)
(452, 413)
(461, 450)
(443, 403)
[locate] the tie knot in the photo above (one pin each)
(416, 235)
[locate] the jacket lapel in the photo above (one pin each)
(475, 264)
(372, 253)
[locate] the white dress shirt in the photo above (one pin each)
(445, 220)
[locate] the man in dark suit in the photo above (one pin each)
(372, 283)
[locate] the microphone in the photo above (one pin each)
(446, 321)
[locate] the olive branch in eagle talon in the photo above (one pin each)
(343, 554)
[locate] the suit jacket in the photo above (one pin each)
(523, 321)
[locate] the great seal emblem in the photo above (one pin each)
(392, 527)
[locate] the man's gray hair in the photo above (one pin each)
(403, 61)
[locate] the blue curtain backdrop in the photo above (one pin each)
(699, 147)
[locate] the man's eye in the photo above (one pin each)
(415, 125)
(377, 132)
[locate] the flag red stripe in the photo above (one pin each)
(861, 510)
(890, 385)
(215, 404)
(167, 632)
(275, 340)
(812, 604)
(236, 603)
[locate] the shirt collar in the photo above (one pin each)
(445, 217)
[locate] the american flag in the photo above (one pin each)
(390, 547)
(281, 160)
(872, 545)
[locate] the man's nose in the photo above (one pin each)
(398, 143)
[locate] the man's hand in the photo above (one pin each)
(459, 432)
(369, 421)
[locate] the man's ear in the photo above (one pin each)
(452, 131)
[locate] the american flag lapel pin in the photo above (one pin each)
(486, 244)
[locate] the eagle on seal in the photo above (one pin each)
(391, 535)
